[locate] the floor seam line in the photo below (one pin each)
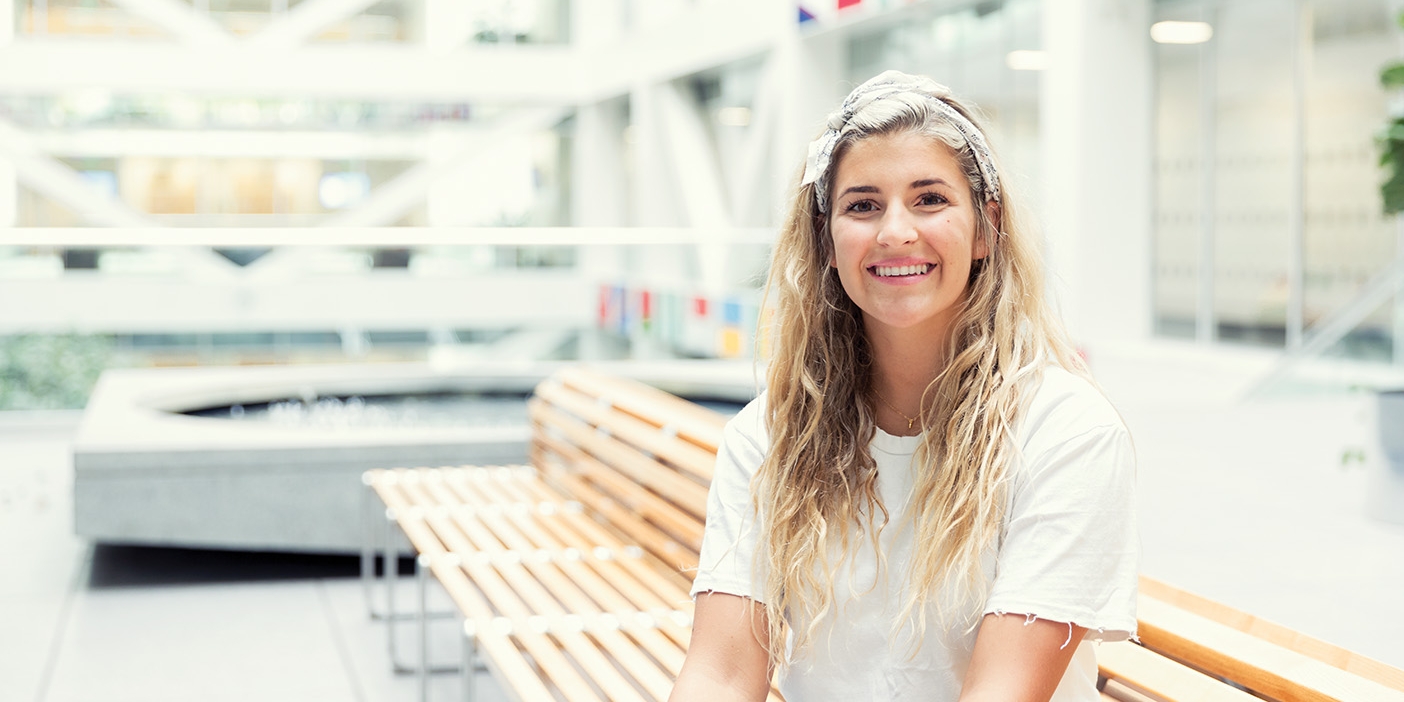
(342, 650)
(74, 589)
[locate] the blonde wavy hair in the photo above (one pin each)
(816, 491)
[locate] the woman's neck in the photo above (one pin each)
(903, 366)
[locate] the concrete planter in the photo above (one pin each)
(1385, 497)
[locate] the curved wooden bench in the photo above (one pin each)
(572, 575)
(1206, 643)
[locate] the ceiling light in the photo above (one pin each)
(734, 116)
(1027, 60)
(1181, 32)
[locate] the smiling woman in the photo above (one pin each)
(932, 499)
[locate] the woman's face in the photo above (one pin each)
(904, 229)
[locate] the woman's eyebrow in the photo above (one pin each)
(859, 189)
(927, 182)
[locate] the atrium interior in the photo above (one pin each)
(211, 193)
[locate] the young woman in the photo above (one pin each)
(931, 500)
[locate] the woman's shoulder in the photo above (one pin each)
(748, 425)
(1066, 403)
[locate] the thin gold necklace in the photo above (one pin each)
(911, 421)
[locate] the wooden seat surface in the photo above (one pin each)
(1190, 646)
(573, 574)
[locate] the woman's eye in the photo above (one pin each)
(929, 199)
(860, 206)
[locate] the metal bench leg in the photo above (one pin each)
(368, 546)
(392, 573)
(470, 663)
(421, 575)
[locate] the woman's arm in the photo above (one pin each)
(727, 659)
(1018, 662)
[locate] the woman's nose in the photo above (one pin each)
(898, 227)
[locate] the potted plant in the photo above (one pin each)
(1385, 499)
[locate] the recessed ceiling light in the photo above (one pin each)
(734, 116)
(1181, 32)
(1027, 60)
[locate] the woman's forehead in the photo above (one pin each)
(893, 157)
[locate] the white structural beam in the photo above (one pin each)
(697, 177)
(1096, 153)
(750, 191)
(55, 180)
(7, 21)
(448, 24)
(392, 200)
(381, 237)
(175, 143)
(652, 202)
(180, 19)
(369, 300)
(9, 194)
(304, 22)
(695, 170)
(701, 37)
(540, 75)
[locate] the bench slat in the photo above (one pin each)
(560, 587)
(623, 458)
(1258, 665)
(498, 647)
(1276, 633)
(504, 589)
(520, 596)
(675, 529)
(695, 460)
(1160, 677)
(693, 422)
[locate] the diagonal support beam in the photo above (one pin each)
(698, 177)
(750, 191)
(57, 181)
(1331, 329)
(392, 200)
(695, 165)
(182, 20)
(305, 21)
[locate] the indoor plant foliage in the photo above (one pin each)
(40, 371)
(1392, 141)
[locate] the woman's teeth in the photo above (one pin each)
(887, 271)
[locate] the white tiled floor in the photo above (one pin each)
(115, 624)
(1245, 502)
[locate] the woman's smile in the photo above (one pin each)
(901, 273)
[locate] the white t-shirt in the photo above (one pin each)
(1069, 552)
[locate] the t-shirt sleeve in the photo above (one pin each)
(727, 562)
(1071, 551)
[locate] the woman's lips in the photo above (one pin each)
(915, 269)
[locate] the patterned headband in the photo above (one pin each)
(886, 85)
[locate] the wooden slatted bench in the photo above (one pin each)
(1192, 648)
(572, 574)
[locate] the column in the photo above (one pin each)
(1096, 137)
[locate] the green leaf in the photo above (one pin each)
(1392, 191)
(1392, 76)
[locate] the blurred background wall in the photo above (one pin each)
(271, 181)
